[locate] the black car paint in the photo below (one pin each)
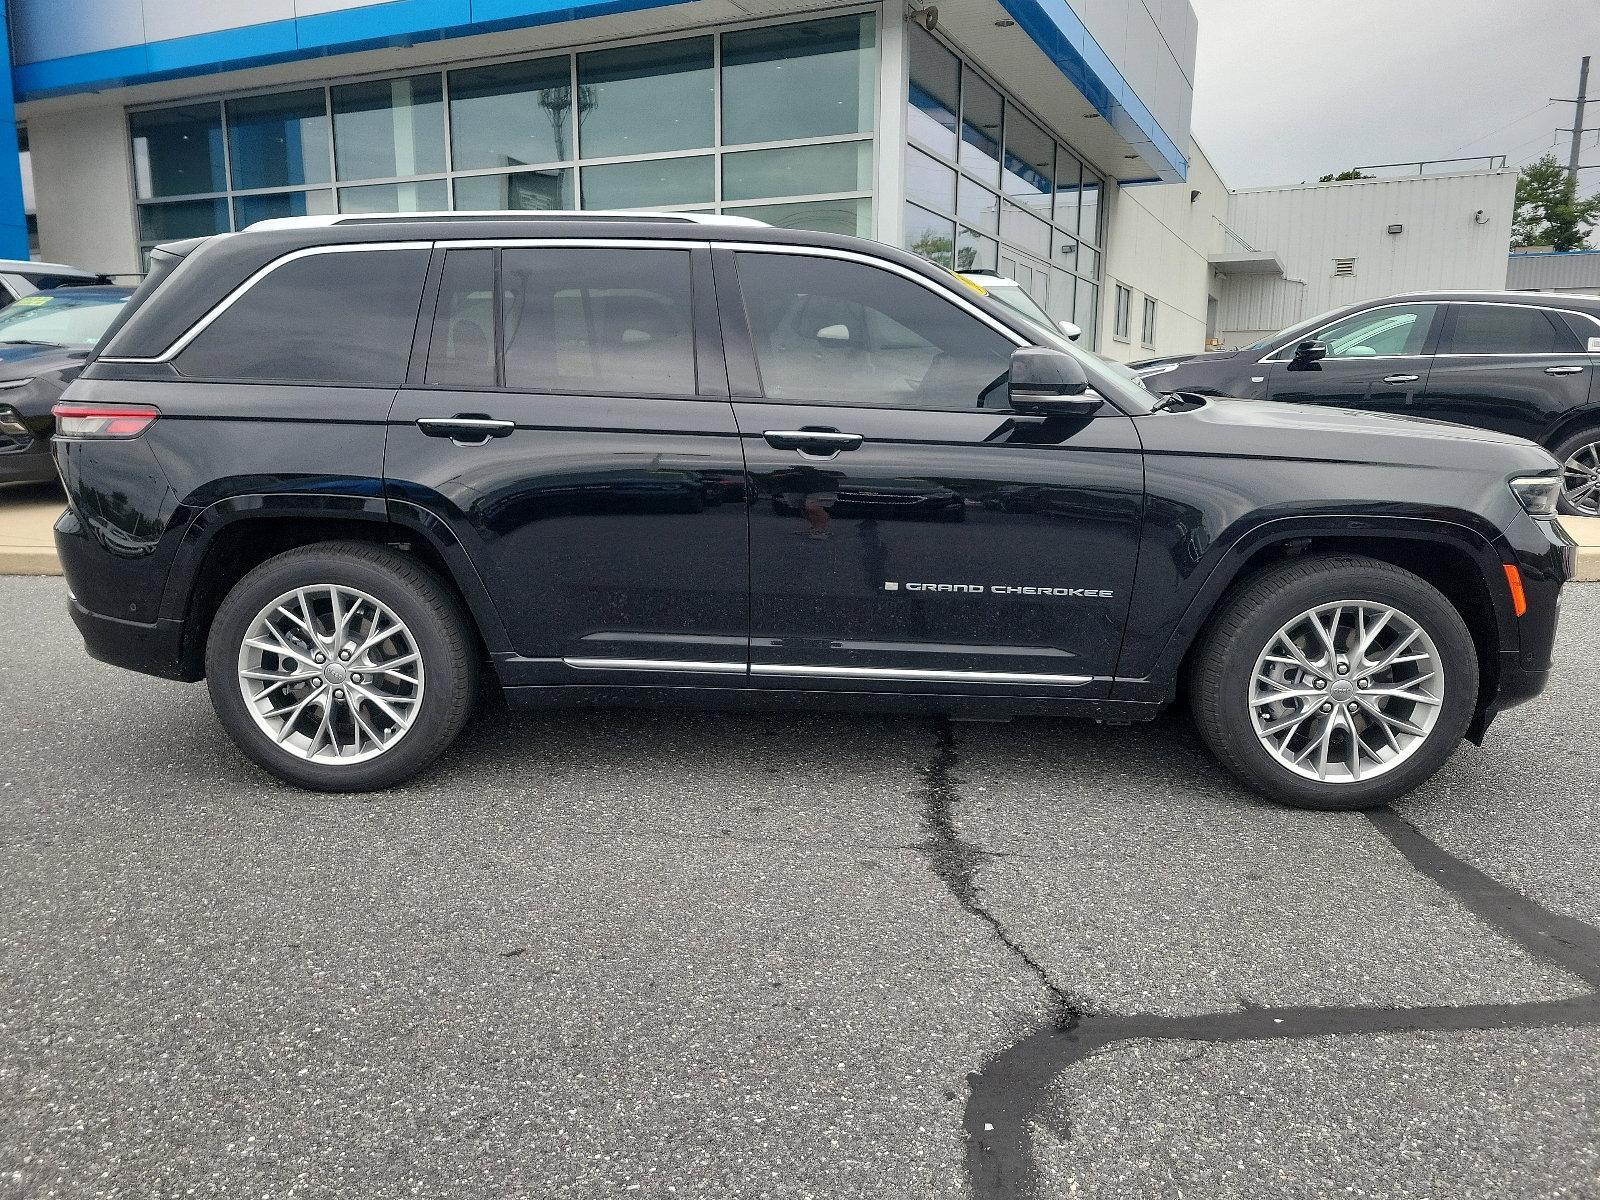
(646, 528)
(1514, 394)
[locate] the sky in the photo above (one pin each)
(1288, 90)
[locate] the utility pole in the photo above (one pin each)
(1577, 119)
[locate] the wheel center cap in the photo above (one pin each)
(335, 673)
(1341, 691)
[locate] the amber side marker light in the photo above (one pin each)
(103, 421)
(1519, 598)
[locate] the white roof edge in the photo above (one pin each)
(23, 266)
(1317, 183)
(322, 222)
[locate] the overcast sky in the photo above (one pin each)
(1287, 90)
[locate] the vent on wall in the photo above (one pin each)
(1343, 266)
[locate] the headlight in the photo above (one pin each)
(1538, 494)
(1146, 372)
(11, 422)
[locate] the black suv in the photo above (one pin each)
(1517, 362)
(343, 467)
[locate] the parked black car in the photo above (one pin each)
(339, 467)
(1517, 362)
(44, 340)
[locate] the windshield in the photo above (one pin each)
(1012, 295)
(1295, 331)
(59, 319)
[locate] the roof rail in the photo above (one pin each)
(319, 222)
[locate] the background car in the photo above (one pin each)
(1517, 362)
(44, 339)
(21, 277)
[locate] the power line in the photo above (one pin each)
(1530, 113)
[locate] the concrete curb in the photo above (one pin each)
(1586, 532)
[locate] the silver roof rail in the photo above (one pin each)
(322, 222)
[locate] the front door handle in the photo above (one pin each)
(1562, 370)
(824, 442)
(466, 429)
(1401, 378)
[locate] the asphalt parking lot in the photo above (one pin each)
(634, 953)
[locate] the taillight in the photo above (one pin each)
(103, 420)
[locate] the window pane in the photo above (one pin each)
(1062, 305)
(935, 91)
(757, 174)
(931, 236)
(853, 217)
(177, 151)
(279, 141)
(1399, 329)
(1029, 164)
(645, 99)
(1147, 328)
(1068, 177)
(1122, 301)
(426, 195)
(611, 322)
(1028, 232)
(813, 79)
(512, 114)
(183, 219)
(515, 190)
(977, 206)
(1086, 312)
(974, 252)
(980, 128)
(1505, 329)
(844, 333)
(461, 349)
(247, 210)
(1089, 208)
(326, 318)
(929, 182)
(656, 183)
(389, 127)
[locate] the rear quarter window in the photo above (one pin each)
(338, 318)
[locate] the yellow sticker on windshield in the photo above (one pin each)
(30, 302)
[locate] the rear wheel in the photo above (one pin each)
(1579, 456)
(341, 667)
(1335, 683)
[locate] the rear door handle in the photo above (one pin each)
(464, 429)
(1562, 370)
(1401, 378)
(826, 442)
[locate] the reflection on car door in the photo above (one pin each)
(1512, 367)
(907, 530)
(1377, 360)
(580, 444)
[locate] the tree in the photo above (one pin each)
(1352, 173)
(1548, 209)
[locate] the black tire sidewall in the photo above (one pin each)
(446, 670)
(1418, 601)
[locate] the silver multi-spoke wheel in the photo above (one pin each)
(1580, 478)
(331, 674)
(1346, 691)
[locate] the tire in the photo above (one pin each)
(1578, 452)
(396, 737)
(1225, 696)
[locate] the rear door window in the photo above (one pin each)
(1505, 329)
(337, 318)
(598, 321)
(461, 350)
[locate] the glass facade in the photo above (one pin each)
(775, 122)
(990, 189)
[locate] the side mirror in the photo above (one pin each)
(1307, 355)
(1049, 383)
(1072, 331)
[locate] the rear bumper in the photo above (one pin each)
(155, 649)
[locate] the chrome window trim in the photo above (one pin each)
(233, 297)
(1272, 358)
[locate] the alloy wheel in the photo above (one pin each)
(1580, 479)
(1346, 691)
(331, 674)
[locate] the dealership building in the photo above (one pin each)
(984, 134)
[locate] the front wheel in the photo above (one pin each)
(1335, 683)
(341, 667)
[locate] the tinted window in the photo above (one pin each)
(1397, 329)
(325, 318)
(461, 349)
(613, 322)
(1504, 329)
(846, 333)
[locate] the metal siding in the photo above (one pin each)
(1576, 271)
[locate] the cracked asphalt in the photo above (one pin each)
(602, 954)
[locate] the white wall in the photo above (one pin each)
(83, 187)
(1157, 243)
(1441, 246)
